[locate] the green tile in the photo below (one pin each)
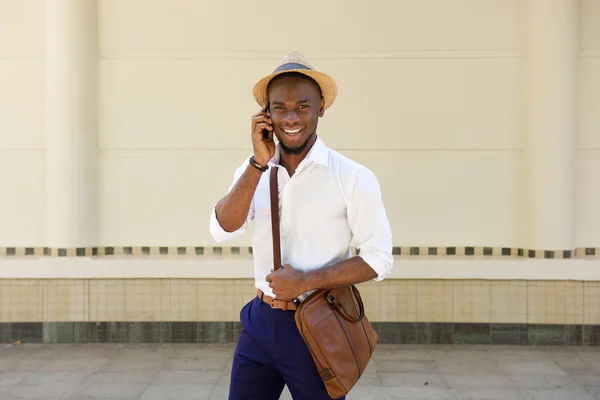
(183, 332)
(384, 331)
(5, 332)
(472, 338)
(515, 334)
(591, 335)
(114, 332)
(215, 332)
(105, 332)
(471, 333)
(80, 332)
(59, 332)
(435, 333)
(573, 335)
(155, 332)
(542, 334)
(404, 333)
(134, 332)
(27, 332)
(236, 331)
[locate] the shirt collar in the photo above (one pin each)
(318, 153)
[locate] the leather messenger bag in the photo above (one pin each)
(332, 323)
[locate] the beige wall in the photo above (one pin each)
(432, 108)
(588, 210)
(431, 98)
(22, 122)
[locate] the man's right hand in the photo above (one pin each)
(262, 137)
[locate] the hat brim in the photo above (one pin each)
(325, 82)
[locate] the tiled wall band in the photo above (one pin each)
(192, 310)
(398, 251)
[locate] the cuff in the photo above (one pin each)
(381, 262)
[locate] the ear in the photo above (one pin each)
(322, 107)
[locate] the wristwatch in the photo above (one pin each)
(257, 165)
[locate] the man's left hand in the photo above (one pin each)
(287, 283)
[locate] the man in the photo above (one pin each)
(326, 201)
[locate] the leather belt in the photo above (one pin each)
(285, 305)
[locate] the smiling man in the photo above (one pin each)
(326, 202)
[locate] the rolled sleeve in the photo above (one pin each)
(369, 223)
(220, 234)
(216, 230)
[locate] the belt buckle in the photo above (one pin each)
(271, 302)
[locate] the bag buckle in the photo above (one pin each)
(330, 299)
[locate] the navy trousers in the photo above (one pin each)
(271, 354)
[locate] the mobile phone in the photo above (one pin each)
(266, 132)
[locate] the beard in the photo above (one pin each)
(299, 149)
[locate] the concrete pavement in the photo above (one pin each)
(201, 371)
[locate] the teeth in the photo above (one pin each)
(292, 132)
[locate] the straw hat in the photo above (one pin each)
(296, 62)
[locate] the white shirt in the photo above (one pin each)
(328, 203)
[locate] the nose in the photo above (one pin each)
(291, 118)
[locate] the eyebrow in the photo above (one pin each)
(298, 102)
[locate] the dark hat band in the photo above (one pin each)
(289, 66)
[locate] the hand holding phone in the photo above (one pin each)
(262, 136)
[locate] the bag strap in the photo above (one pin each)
(275, 219)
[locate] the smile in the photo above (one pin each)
(294, 132)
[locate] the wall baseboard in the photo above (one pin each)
(229, 331)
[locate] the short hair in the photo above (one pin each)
(296, 74)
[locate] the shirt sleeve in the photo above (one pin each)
(216, 230)
(369, 223)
